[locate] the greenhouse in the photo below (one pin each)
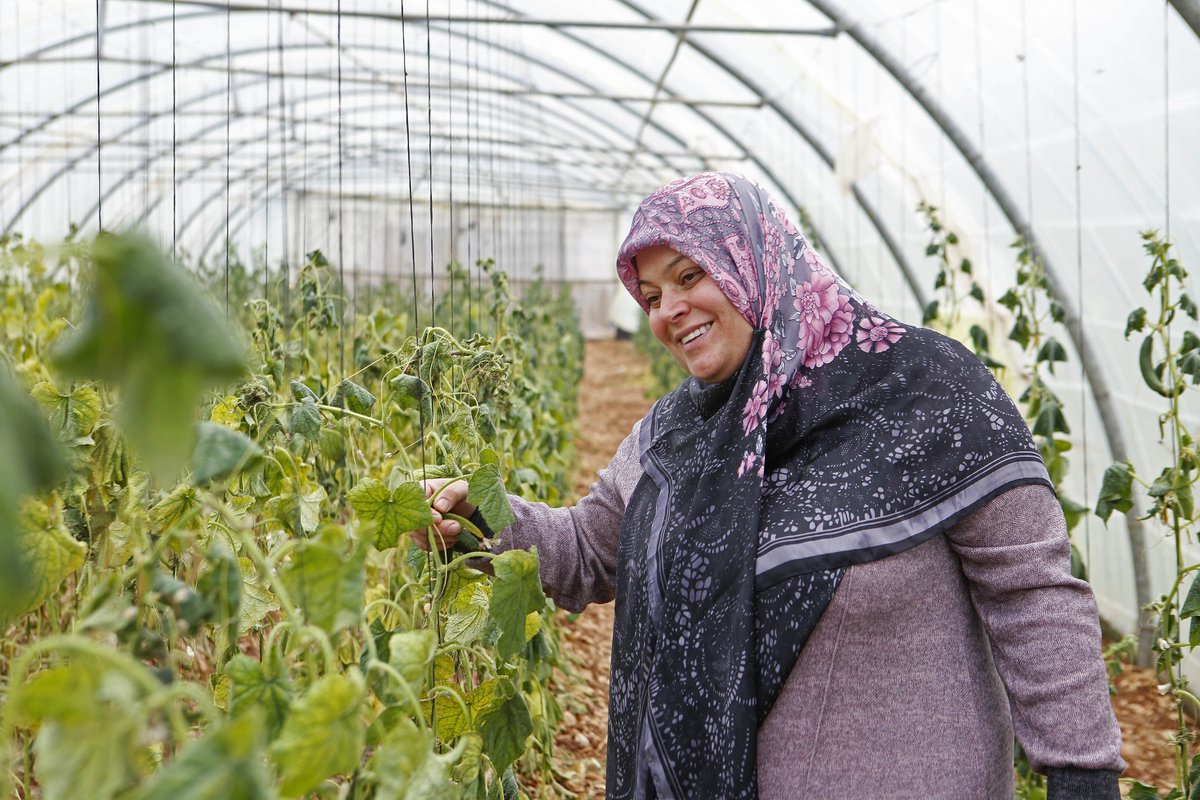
(281, 276)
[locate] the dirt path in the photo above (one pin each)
(611, 398)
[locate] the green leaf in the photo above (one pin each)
(221, 452)
(516, 591)
(74, 414)
(930, 313)
(1116, 490)
(256, 691)
(979, 337)
(48, 552)
(486, 490)
(1051, 351)
(1010, 300)
(1072, 511)
(1050, 419)
(506, 728)
(353, 397)
(1057, 312)
(412, 392)
(89, 728)
(302, 394)
(1020, 331)
(325, 579)
(305, 421)
(1191, 606)
(1135, 322)
(406, 768)
(411, 653)
(188, 607)
(149, 330)
(1143, 791)
(1190, 342)
(322, 735)
(977, 292)
(224, 765)
(30, 459)
(1188, 305)
(393, 513)
(1189, 364)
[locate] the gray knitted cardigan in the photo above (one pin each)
(922, 666)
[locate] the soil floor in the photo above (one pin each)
(612, 397)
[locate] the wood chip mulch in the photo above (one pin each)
(612, 397)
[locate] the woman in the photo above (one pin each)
(837, 557)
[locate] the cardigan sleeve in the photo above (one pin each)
(1044, 630)
(577, 545)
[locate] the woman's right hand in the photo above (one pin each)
(452, 499)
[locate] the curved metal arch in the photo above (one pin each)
(1092, 365)
(251, 82)
(163, 152)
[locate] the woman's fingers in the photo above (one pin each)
(451, 498)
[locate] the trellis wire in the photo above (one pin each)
(1083, 399)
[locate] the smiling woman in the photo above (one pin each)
(840, 567)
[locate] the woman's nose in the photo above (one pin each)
(673, 305)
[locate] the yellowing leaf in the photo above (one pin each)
(322, 735)
(49, 554)
(228, 413)
(176, 508)
(410, 653)
(257, 600)
(468, 615)
(74, 414)
(394, 512)
(325, 579)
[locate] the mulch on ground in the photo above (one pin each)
(612, 397)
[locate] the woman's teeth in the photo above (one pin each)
(703, 329)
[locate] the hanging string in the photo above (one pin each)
(228, 123)
(450, 147)
(99, 138)
(283, 148)
(1167, 118)
(937, 25)
(341, 197)
(429, 167)
(65, 83)
(412, 221)
(471, 224)
(267, 164)
(1079, 292)
(987, 223)
(174, 132)
(1028, 138)
(145, 48)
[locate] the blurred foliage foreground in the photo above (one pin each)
(205, 585)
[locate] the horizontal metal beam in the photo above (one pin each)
(396, 83)
(542, 22)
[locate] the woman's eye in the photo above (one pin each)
(691, 277)
(652, 300)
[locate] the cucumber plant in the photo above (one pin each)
(1169, 364)
(230, 607)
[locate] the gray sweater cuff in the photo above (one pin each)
(1069, 783)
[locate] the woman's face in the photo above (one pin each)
(691, 316)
